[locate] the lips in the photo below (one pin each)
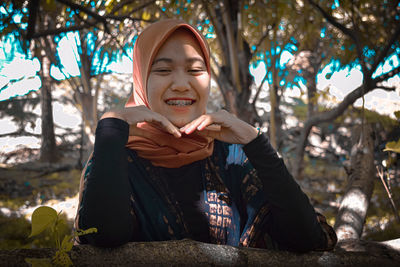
(180, 102)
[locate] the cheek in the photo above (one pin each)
(203, 85)
(153, 91)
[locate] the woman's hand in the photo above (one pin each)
(134, 115)
(231, 130)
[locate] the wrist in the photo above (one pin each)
(253, 134)
(114, 114)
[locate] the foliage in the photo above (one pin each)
(13, 232)
(393, 146)
(46, 217)
(13, 21)
(19, 109)
(350, 27)
(21, 190)
(381, 223)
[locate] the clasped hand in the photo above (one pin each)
(228, 128)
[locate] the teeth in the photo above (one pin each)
(180, 102)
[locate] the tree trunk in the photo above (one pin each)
(48, 149)
(86, 102)
(192, 253)
(298, 161)
(353, 208)
(233, 77)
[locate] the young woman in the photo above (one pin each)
(162, 168)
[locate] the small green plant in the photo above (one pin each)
(47, 218)
(393, 146)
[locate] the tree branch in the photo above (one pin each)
(20, 132)
(266, 33)
(123, 3)
(390, 89)
(387, 75)
(124, 17)
(383, 53)
(221, 38)
(83, 9)
(87, 11)
(188, 252)
(33, 7)
(260, 87)
(58, 31)
(85, 21)
(351, 33)
(348, 100)
(333, 21)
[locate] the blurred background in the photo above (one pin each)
(321, 79)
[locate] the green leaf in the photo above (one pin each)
(67, 243)
(87, 231)
(42, 218)
(62, 259)
(42, 262)
(393, 146)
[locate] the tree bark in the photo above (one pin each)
(192, 253)
(309, 61)
(48, 149)
(298, 161)
(353, 208)
(233, 76)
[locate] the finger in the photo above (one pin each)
(169, 127)
(190, 127)
(196, 123)
(182, 129)
(215, 121)
(163, 124)
(209, 120)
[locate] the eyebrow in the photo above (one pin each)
(169, 60)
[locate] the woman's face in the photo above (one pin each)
(178, 82)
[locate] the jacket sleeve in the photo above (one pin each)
(292, 222)
(105, 201)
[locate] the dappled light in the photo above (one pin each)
(352, 209)
(308, 75)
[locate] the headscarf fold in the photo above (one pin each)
(162, 148)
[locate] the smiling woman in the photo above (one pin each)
(164, 169)
(178, 83)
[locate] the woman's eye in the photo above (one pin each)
(196, 70)
(162, 70)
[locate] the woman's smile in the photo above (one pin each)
(180, 102)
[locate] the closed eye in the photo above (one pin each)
(162, 70)
(196, 70)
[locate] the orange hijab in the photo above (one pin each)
(161, 148)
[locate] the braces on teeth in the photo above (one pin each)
(179, 102)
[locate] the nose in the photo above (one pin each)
(180, 81)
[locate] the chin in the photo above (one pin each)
(179, 124)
